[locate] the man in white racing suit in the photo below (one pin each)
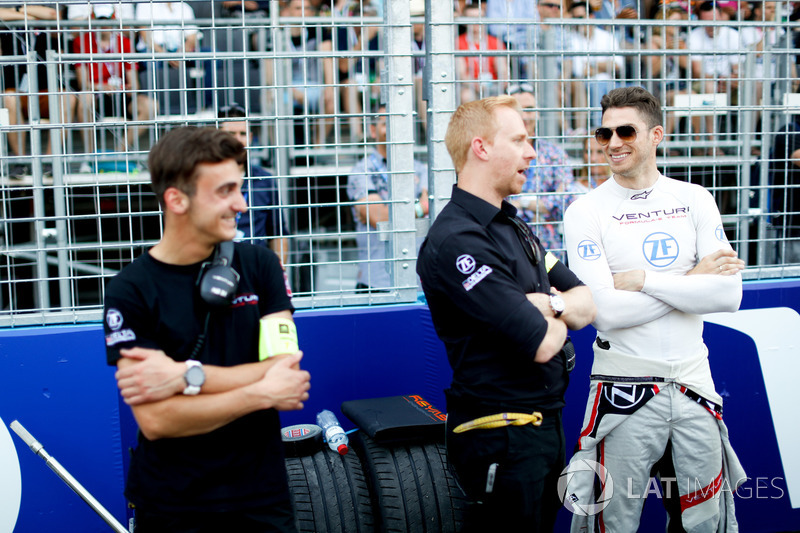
(654, 254)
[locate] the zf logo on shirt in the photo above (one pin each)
(660, 249)
(465, 264)
(588, 250)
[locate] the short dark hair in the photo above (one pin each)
(233, 110)
(585, 5)
(174, 159)
(638, 98)
(708, 5)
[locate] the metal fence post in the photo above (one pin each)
(400, 147)
(42, 291)
(59, 189)
(440, 93)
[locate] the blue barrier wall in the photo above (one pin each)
(55, 382)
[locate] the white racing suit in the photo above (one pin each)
(652, 385)
(659, 409)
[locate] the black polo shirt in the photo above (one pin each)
(475, 274)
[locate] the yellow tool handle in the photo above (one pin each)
(500, 420)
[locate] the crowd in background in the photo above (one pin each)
(335, 95)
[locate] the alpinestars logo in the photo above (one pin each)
(641, 195)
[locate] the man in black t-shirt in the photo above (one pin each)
(502, 306)
(209, 456)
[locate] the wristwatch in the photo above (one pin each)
(557, 304)
(194, 377)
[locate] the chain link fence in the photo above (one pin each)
(346, 106)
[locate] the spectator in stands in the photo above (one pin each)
(480, 75)
(542, 202)
(592, 74)
(553, 88)
(357, 74)
(785, 178)
(552, 9)
(733, 9)
(248, 8)
(312, 78)
(109, 88)
(325, 8)
(18, 41)
(669, 70)
(161, 38)
(263, 217)
(121, 11)
(513, 23)
(370, 182)
(417, 8)
(614, 9)
(767, 38)
(714, 72)
(595, 170)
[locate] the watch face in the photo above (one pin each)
(195, 376)
(557, 303)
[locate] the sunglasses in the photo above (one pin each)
(521, 88)
(532, 249)
(626, 133)
(233, 109)
(551, 6)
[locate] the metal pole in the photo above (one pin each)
(42, 293)
(400, 149)
(73, 483)
(59, 190)
(746, 123)
(440, 93)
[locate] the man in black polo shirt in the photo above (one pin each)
(502, 308)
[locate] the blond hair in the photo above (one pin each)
(474, 119)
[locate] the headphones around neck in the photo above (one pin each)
(218, 281)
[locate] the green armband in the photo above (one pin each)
(276, 336)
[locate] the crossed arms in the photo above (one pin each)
(152, 384)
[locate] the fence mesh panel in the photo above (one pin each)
(346, 105)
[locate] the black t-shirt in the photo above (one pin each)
(156, 305)
(785, 177)
(475, 274)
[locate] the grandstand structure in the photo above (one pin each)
(74, 195)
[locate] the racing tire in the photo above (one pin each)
(414, 490)
(330, 493)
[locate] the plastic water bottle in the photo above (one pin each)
(334, 434)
